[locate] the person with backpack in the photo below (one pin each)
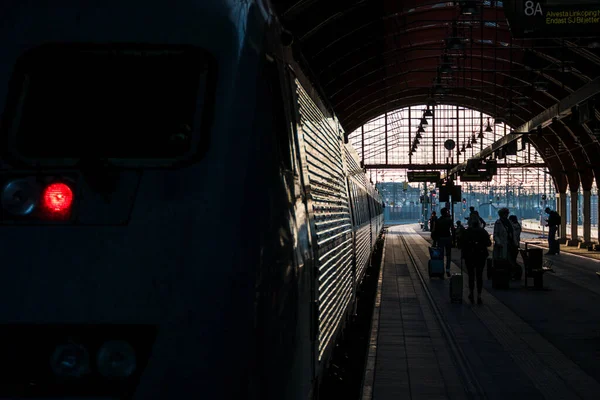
(475, 216)
(475, 243)
(553, 222)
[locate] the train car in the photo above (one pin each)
(176, 212)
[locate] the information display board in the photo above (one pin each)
(423, 176)
(479, 176)
(553, 18)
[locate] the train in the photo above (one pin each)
(180, 212)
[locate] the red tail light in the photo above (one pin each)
(57, 199)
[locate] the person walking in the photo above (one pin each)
(444, 233)
(553, 222)
(432, 221)
(475, 215)
(475, 243)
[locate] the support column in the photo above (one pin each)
(587, 217)
(561, 205)
(574, 234)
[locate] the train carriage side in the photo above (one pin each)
(377, 216)
(358, 184)
(323, 166)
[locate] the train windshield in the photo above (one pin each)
(81, 101)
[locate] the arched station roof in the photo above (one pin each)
(369, 57)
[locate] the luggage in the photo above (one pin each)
(501, 274)
(436, 264)
(436, 268)
(435, 253)
(456, 286)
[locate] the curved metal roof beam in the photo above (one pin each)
(524, 67)
(419, 99)
(363, 100)
(390, 54)
(378, 39)
(339, 104)
(555, 165)
(382, 19)
(580, 51)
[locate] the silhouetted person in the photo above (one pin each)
(459, 232)
(475, 215)
(553, 222)
(518, 271)
(504, 241)
(432, 221)
(475, 243)
(444, 233)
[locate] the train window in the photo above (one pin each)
(120, 101)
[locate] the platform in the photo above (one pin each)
(519, 344)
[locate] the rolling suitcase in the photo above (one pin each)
(456, 286)
(436, 263)
(436, 268)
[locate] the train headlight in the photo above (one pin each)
(70, 360)
(116, 359)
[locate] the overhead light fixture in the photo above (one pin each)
(424, 121)
(473, 140)
(469, 145)
(417, 141)
(463, 148)
(418, 136)
(488, 128)
(480, 135)
(421, 129)
(428, 113)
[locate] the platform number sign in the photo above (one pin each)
(533, 9)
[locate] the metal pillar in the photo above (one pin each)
(574, 219)
(561, 205)
(587, 216)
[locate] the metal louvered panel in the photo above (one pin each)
(331, 212)
(353, 164)
(362, 250)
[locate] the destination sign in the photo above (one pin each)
(423, 176)
(479, 176)
(553, 18)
